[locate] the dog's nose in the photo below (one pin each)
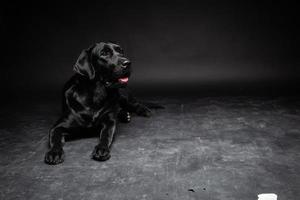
(126, 63)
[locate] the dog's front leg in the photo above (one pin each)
(56, 140)
(57, 135)
(107, 130)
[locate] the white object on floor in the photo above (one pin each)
(268, 196)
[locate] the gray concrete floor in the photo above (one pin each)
(229, 148)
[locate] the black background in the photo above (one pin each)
(176, 47)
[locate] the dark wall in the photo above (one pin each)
(169, 42)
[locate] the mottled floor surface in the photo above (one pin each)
(229, 148)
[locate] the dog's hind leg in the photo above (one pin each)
(132, 105)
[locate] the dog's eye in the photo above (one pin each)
(119, 50)
(104, 53)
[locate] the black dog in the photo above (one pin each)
(94, 98)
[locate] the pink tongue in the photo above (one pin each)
(123, 80)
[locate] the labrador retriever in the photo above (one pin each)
(95, 98)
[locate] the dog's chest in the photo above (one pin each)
(98, 95)
(100, 98)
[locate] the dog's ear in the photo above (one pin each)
(84, 65)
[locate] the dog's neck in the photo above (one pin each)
(100, 81)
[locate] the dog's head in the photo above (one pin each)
(105, 62)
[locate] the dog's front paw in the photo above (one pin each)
(101, 153)
(143, 111)
(54, 156)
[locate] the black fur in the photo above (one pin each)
(94, 98)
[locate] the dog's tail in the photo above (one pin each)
(153, 105)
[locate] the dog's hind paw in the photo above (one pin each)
(54, 156)
(101, 153)
(124, 116)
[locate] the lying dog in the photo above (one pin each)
(94, 98)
